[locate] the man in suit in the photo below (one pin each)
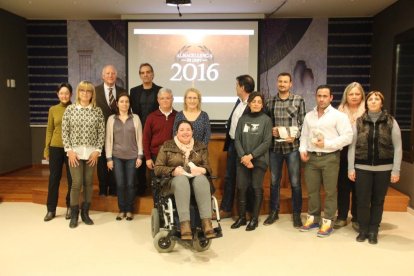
(106, 95)
(143, 102)
(244, 86)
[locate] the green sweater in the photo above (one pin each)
(54, 128)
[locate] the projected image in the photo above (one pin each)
(208, 59)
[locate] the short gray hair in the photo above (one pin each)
(164, 90)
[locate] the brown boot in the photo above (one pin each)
(208, 228)
(185, 229)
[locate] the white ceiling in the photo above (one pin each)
(157, 9)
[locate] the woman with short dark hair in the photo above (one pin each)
(374, 161)
(55, 153)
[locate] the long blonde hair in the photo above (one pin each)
(343, 106)
(87, 85)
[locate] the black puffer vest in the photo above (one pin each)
(374, 142)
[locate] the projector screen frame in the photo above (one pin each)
(217, 126)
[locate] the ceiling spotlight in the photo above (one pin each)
(178, 2)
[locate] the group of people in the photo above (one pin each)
(353, 149)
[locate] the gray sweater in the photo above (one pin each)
(397, 143)
(254, 136)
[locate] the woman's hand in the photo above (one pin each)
(246, 159)
(395, 178)
(110, 165)
(93, 159)
(73, 159)
(178, 171)
(138, 163)
(351, 176)
(198, 171)
(250, 165)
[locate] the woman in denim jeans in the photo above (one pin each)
(124, 153)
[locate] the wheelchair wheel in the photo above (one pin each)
(155, 222)
(201, 245)
(163, 243)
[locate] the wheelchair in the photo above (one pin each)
(165, 225)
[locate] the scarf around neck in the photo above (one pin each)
(186, 148)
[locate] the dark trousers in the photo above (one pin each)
(107, 184)
(57, 158)
(229, 188)
(346, 187)
(124, 171)
(141, 178)
(371, 188)
(252, 178)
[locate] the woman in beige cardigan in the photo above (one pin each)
(124, 153)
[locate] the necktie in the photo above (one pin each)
(112, 103)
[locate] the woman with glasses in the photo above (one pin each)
(192, 112)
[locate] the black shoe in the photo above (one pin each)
(239, 222)
(252, 224)
(373, 238)
(273, 216)
(49, 216)
(297, 221)
(68, 213)
(74, 217)
(361, 237)
(85, 213)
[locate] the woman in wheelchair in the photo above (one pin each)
(185, 161)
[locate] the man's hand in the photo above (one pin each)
(275, 132)
(150, 164)
(304, 156)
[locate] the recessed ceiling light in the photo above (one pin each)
(178, 2)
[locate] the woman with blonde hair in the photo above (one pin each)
(192, 112)
(83, 134)
(353, 105)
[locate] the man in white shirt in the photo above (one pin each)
(324, 133)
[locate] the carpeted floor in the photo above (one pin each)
(30, 246)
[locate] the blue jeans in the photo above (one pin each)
(125, 173)
(293, 164)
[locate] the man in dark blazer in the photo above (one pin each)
(104, 100)
(244, 86)
(143, 102)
